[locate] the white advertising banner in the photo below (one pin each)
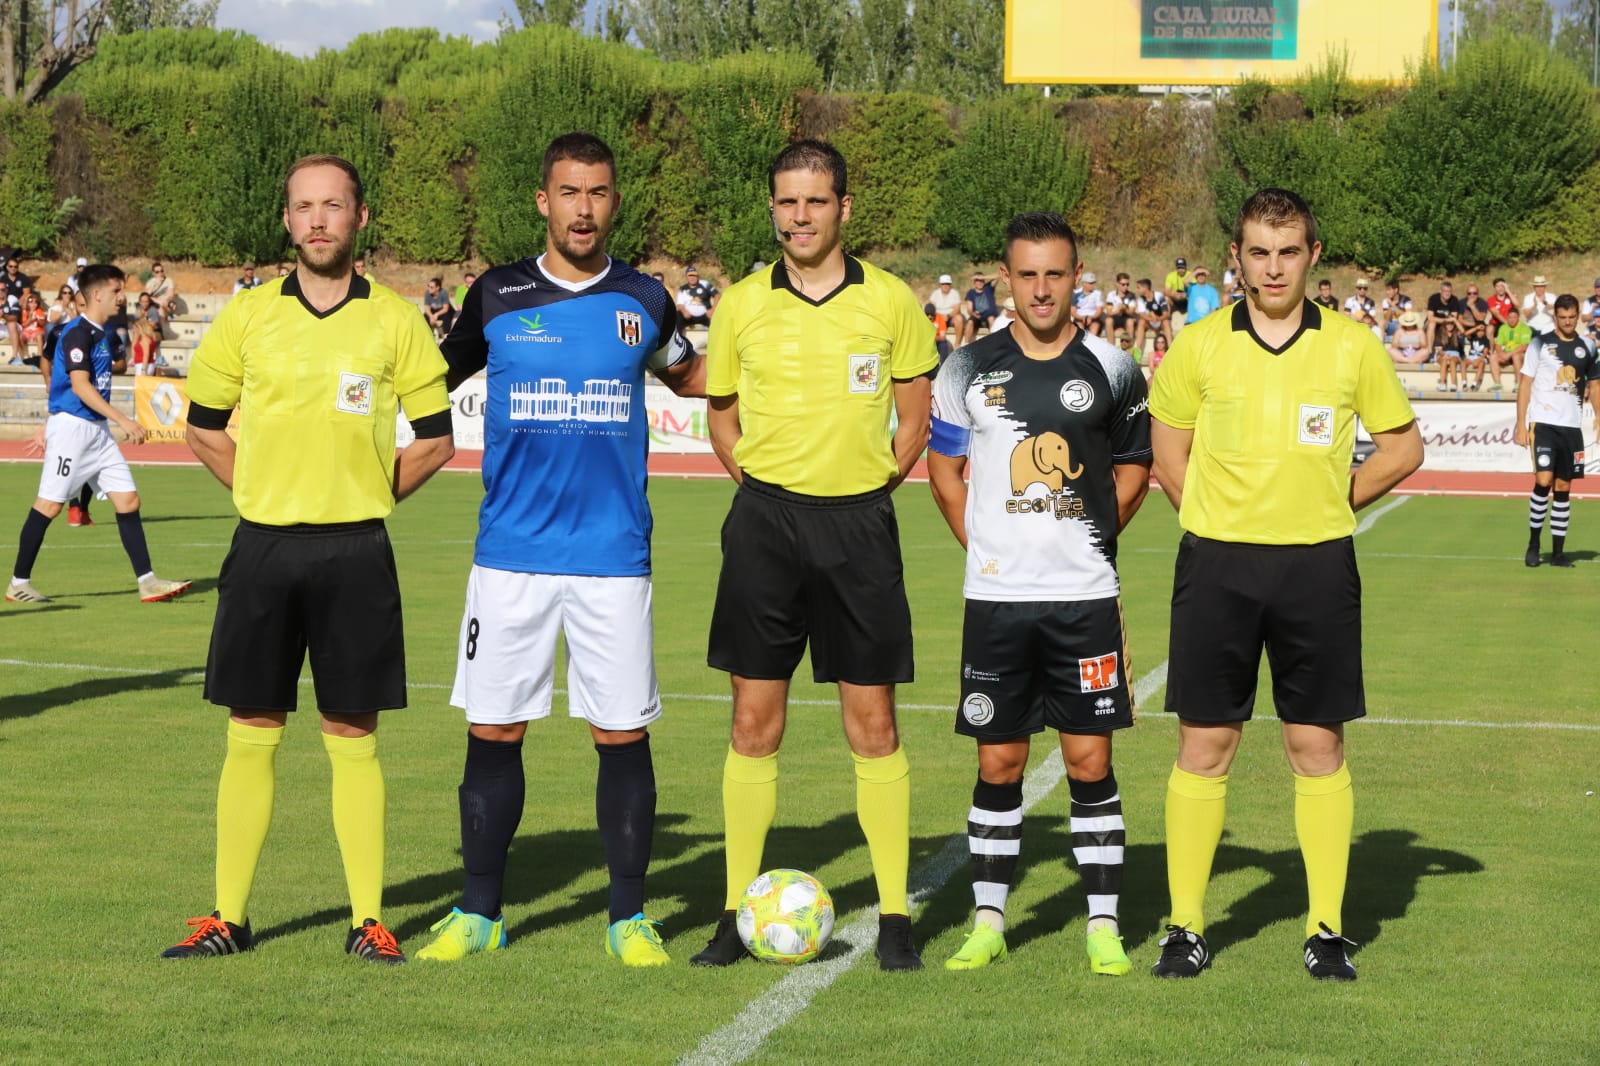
(1472, 436)
(677, 425)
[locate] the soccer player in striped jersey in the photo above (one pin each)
(1560, 366)
(1054, 424)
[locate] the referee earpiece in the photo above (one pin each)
(783, 235)
(1239, 266)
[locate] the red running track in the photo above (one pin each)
(1424, 482)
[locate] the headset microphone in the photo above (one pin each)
(783, 234)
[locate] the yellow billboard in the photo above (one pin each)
(1213, 42)
(161, 406)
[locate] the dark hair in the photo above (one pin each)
(1040, 226)
(1497, 281)
(98, 275)
(1566, 302)
(323, 160)
(810, 154)
(577, 147)
(1275, 207)
(1145, 281)
(1324, 281)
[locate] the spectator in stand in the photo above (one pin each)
(1589, 315)
(65, 307)
(1510, 345)
(118, 324)
(72, 278)
(697, 300)
(458, 296)
(146, 335)
(1155, 314)
(1087, 305)
(1008, 309)
(1363, 309)
(360, 267)
(941, 332)
(437, 308)
(1443, 306)
(1124, 339)
(33, 320)
(1121, 309)
(979, 307)
(283, 270)
(162, 290)
(1409, 346)
(1232, 286)
(12, 283)
(1203, 296)
(248, 281)
(1325, 296)
(1176, 288)
(1158, 351)
(1395, 304)
(947, 303)
(1539, 307)
(1472, 325)
(1500, 302)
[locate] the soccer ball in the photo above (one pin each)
(785, 916)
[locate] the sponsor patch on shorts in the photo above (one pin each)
(864, 373)
(355, 394)
(978, 709)
(1098, 673)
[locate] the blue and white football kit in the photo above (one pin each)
(78, 446)
(564, 528)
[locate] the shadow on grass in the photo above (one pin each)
(1386, 866)
(27, 704)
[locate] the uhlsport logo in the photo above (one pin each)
(355, 394)
(978, 709)
(630, 328)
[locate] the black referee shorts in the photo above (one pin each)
(331, 589)
(1557, 449)
(825, 568)
(1302, 602)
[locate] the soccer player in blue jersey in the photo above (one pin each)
(79, 448)
(563, 539)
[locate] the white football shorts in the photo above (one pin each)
(506, 660)
(78, 452)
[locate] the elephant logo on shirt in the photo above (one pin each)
(1046, 458)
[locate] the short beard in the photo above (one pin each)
(339, 265)
(595, 260)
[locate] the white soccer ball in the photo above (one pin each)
(786, 916)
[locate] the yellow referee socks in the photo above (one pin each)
(1324, 812)
(358, 819)
(749, 803)
(244, 814)
(1195, 809)
(883, 807)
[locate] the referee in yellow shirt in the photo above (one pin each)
(807, 362)
(1253, 423)
(317, 363)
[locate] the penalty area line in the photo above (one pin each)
(743, 1037)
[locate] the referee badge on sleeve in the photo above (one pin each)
(864, 373)
(355, 394)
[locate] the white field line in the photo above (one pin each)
(743, 1036)
(1372, 517)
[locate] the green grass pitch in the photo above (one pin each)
(1472, 879)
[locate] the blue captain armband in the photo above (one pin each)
(949, 439)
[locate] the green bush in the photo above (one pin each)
(425, 215)
(31, 217)
(1016, 155)
(896, 146)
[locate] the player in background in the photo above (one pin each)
(77, 509)
(563, 540)
(79, 449)
(1560, 366)
(1055, 424)
(317, 363)
(1253, 422)
(808, 360)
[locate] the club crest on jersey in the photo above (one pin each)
(864, 373)
(1077, 395)
(1316, 424)
(978, 709)
(355, 394)
(630, 328)
(1098, 673)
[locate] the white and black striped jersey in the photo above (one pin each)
(1041, 438)
(1561, 371)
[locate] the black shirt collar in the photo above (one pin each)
(1310, 318)
(853, 275)
(360, 289)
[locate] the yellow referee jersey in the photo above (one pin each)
(1274, 430)
(815, 378)
(317, 394)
